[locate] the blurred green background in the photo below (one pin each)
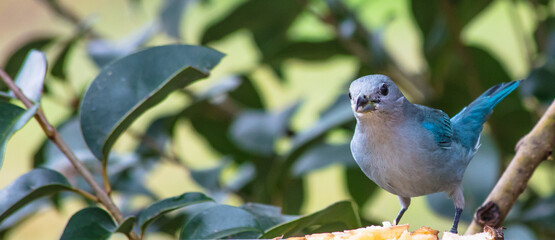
(442, 54)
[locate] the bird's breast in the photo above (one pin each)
(402, 159)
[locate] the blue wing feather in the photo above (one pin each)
(468, 123)
(438, 123)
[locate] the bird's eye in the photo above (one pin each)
(383, 90)
(350, 96)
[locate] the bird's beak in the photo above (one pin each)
(363, 104)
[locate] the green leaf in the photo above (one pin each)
(16, 59)
(104, 51)
(293, 195)
(267, 216)
(219, 221)
(246, 94)
(129, 92)
(12, 118)
(60, 63)
(322, 156)
(269, 20)
(89, 224)
(153, 211)
(307, 51)
(171, 15)
(359, 185)
(209, 178)
(338, 114)
(213, 124)
(37, 183)
(519, 231)
(257, 131)
(540, 84)
(157, 135)
(126, 226)
(343, 212)
(30, 77)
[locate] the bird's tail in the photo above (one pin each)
(472, 117)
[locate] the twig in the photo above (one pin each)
(534, 148)
(55, 137)
(105, 178)
(85, 194)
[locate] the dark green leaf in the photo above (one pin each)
(540, 84)
(246, 94)
(126, 226)
(209, 178)
(267, 216)
(219, 221)
(60, 62)
(89, 224)
(171, 15)
(518, 231)
(338, 114)
(130, 92)
(322, 156)
(37, 183)
(343, 212)
(155, 210)
(156, 136)
(359, 185)
(257, 131)
(269, 20)
(30, 77)
(12, 118)
(307, 51)
(541, 213)
(16, 59)
(213, 124)
(293, 195)
(103, 51)
(478, 181)
(245, 174)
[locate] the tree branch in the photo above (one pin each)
(534, 148)
(56, 138)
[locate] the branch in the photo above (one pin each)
(535, 147)
(56, 138)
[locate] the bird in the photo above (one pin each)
(412, 150)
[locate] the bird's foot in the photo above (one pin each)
(453, 230)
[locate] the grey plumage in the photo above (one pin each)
(412, 150)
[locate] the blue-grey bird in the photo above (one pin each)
(412, 150)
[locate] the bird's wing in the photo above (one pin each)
(439, 124)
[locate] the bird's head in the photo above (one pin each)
(374, 93)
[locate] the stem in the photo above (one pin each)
(105, 178)
(55, 137)
(532, 149)
(85, 194)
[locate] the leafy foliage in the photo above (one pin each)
(264, 157)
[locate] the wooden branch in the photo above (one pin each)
(57, 139)
(534, 148)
